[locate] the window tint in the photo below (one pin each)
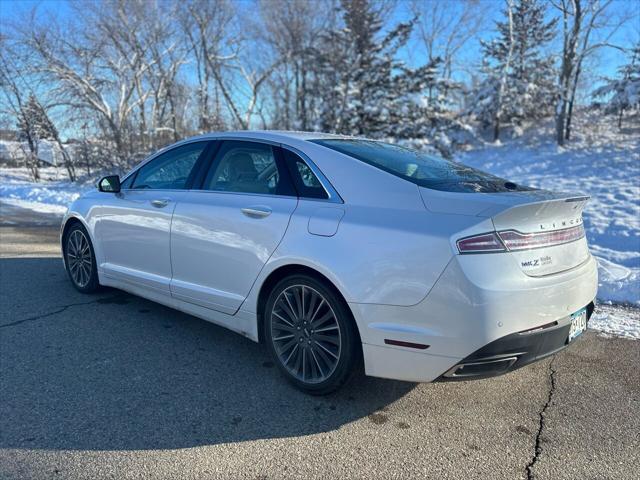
(420, 168)
(247, 167)
(171, 169)
(305, 181)
(127, 183)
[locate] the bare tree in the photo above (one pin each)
(290, 28)
(206, 25)
(14, 95)
(581, 19)
(92, 69)
(445, 28)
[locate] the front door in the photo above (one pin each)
(134, 226)
(223, 234)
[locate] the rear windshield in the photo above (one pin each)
(425, 170)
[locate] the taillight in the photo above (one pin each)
(487, 242)
(524, 241)
(511, 240)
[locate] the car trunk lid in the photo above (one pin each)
(545, 237)
(542, 230)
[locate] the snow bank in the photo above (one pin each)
(604, 164)
(51, 195)
(620, 321)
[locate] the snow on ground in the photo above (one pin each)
(605, 164)
(616, 320)
(51, 195)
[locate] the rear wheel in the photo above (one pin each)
(80, 259)
(311, 334)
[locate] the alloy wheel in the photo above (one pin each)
(79, 259)
(305, 334)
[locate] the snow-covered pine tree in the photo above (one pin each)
(623, 93)
(519, 75)
(34, 123)
(364, 88)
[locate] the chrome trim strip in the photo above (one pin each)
(334, 196)
(451, 373)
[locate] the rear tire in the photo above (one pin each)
(80, 259)
(311, 334)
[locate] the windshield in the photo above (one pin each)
(420, 168)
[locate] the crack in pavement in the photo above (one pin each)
(60, 310)
(541, 425)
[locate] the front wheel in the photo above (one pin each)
(80, 259)
(311, 334)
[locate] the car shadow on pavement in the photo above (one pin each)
(112, 371)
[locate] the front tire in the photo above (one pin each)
(80, 259)
(311, 334)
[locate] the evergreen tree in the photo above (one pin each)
(519, 77)
(34, 123)
(623, 93)
(364, 87)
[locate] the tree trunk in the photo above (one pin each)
(620, 118)
(560, 120)
(496, 129)
(574, 87)
(567, 127)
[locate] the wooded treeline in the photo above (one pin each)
(129, 76)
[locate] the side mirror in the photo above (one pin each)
(109, 184)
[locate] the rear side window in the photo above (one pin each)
(305, 181)
(171, 170)
(248, 167)
(420, 168)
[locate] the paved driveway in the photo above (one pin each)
(114, 386)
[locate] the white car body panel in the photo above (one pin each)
(217, 251)
(134, 236)
(387, 245)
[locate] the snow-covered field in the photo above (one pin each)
(51, 195)
(603, 163)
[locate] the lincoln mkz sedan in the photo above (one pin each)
(339, 251)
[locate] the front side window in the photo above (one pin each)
(420, 168)
(171, 170)
(247, 167)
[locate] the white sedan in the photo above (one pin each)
(336, 251)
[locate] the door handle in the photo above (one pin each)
(160, 203)
(257, 211)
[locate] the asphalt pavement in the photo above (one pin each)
(114, 386)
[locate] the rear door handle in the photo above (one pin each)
(257, 211)
(160, 203)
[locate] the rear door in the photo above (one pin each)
(223, 234)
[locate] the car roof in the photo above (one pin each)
(270, 135)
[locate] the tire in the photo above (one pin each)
(311, 334)
(80, 259)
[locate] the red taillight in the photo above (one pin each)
(523, 241)
(487, 242)
(511, 240)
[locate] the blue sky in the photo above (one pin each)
(608, 59)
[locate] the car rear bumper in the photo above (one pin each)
(482, 306)
(514, 351)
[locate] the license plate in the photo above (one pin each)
(578, 323)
